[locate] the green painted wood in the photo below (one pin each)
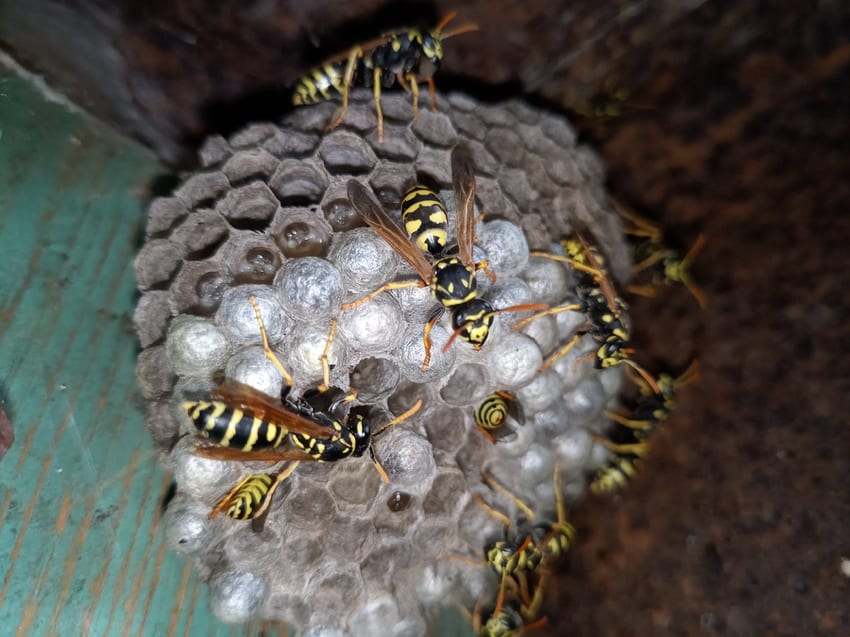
(80, 489)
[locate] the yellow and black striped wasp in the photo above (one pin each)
(654, 263)
(515, 617)
(603, 308)
(424, 217)
(492, 415)
(451, 278)
(246, 425)
(406, 56)
(627, 450)
(653, 406)
(554, 538)
(629, 439)
(519, 555)
(252, 497)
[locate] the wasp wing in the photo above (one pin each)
(463, 183)
(258, 404)
(603, 278)
(215, 452)
(373, 214)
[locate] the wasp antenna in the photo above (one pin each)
(645, 375)
(690, 375)
(451, 15)
(453, 337)
(695, 249)
(464, 28)
(693, 288)
(400, 418)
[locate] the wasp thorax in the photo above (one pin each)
(453, 283)
(393, 311)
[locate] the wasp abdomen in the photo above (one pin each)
(230, 426)
(250, 497)
(424, 217)
(492, 413)
(319, 84)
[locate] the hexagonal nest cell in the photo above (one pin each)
(268, 218)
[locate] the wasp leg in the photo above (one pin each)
(376, 89)
(268, 350)
(432, 90)
(494, 484)
(401, 417)
(653, 384)
(380, 468)
(326, 368)
(394, 285)
(485, 265)
(560, 353)
(649, 261)
(552, 310)
(682, 273)
(642, 227)
(640, 425)
(690, 375)
(646, 291)
(596, 273)
(501, 517)
(426, 338)
(414, 88)
(638, 449)
(500, 600)
(349, 397)
(487, 434)
(347, 81)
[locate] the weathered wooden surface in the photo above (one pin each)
(80, 488)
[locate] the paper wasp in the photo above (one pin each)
(629, 439)
(406, 56)
(515, 617)
(520, 554)
(493, 412)
(258, 429)
(657, 263)
(603, 308)
(252, 497)
(451, 278)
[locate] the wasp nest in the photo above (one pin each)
(268, 216)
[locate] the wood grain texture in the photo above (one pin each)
(80, 488)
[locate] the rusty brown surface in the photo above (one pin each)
(735, 127)
(737, 523)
